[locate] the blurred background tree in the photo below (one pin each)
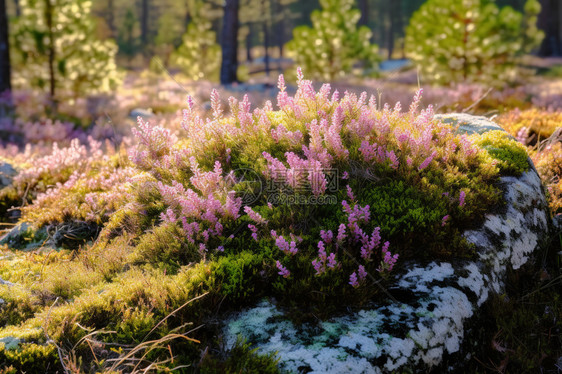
(170, 30)
(334, 44)
(471, 40)
(57, 50)
(199, 55)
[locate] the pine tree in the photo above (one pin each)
(334, 44)
(56, 47)
(199, 55)
(471, 40)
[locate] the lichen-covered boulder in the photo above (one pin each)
(431, 304)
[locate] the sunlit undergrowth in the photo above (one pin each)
(541, 131)
(310, 204)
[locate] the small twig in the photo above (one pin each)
(478, 101)
(172, 313)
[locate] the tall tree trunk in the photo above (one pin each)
(111, 17)
(249, 57)
(364, 9)
(187, 18)
(52, 55)
(265, 38)
(5, 74)
(391, 27)
(549, 21)
(18, 7)
(279, 26)
(144, 23)
(229, 42)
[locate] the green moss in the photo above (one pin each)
(241, 276)
(511, 156)
(165, 246)
(31, 358)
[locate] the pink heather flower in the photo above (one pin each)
(394, 163)
(345, 175)
(353, 280)
(220, 248)
(283, 271)
(427, 161)
(335, 96)
(462, 195)
(254, 216)
(368, 150)
(202, 249)
(281, 83)
(362, 272)
(169, 216)
(350, 193)
(216, 104)
(269, 205)
(444, 220)
(300, 75)
(523, 135)
(289, 248)
(332, 263)
(254, 230)
(327, 236)
(389, 260)
(341, 234)
(416, 102)
(409, 161)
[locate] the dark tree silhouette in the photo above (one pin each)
(229, 42)
(5, 82)
(144, 23)
(549, 21)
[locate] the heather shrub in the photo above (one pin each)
(548, 161)
(327, 177)
(471, 40)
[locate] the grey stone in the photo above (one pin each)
(423, 330)
(10, 342)
(468, 124)
(24, 236)
(140, 112)
(7, 174)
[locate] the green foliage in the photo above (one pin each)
(199, 55)
(165, 246)
(30, 358)
(242, 358)
(471, 40)
(334, 44)
(81, 63)
(511, 156)
(241, 276)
